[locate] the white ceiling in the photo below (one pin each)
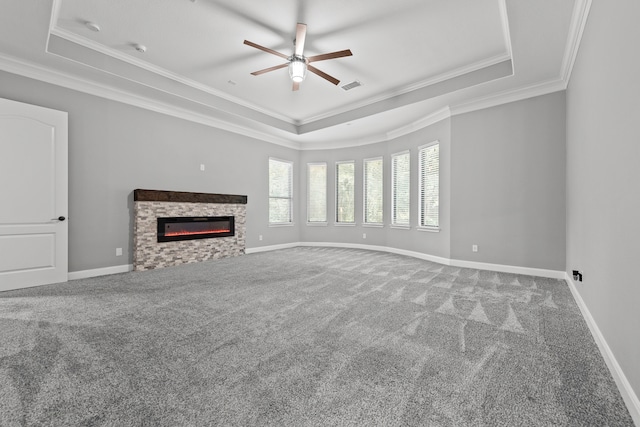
(415, 58)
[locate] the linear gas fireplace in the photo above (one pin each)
(195, 227)
(175, 227)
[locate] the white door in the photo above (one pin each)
(33, 195)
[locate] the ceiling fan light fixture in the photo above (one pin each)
(297, 68)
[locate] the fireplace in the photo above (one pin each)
(198, 217)
(195, 227)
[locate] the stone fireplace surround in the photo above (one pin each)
(149, 205)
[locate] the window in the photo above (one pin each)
(345, 192)
(280, 192)
(373, 191)
(429, 173)
(400, 191)
(317, 192)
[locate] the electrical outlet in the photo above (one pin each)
(260, 237)
(202, 167)
(118, 251)
(364, 235)
(474, 248)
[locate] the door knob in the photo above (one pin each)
(60, 218)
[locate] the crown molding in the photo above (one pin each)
(47, 75)
(458, 72)
(508, 55)
(578, 22)
(59, 78)
(446, 112)
(505, 97)
(55, 14)
(506, 31)
(433, 118)
(90, 44)
(333, 145)
(579, 18)
(121, 56)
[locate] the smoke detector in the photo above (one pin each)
(140, 47)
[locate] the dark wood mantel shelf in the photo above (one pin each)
(186, 197)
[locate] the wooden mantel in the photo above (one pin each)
(186, 197)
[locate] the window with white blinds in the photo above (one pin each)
(400, 189)
(280, 192)
(373, 209)
(429, 178)
(345, 192)
(317, 192)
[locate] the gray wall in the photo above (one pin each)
(603, 176)
(115, 148)
(430, 243)
(508, 184)
(502, 178)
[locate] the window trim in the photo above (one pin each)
(393, 222)
(336, 222)
(364, 192)
(290, 198)
(422, 227)
(326, 169)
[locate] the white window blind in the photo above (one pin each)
(280, 191)
(345, 192)
(400, 191)
(373, 210)
(317, 192)
(429, 165)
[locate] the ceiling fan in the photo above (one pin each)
(298, 63)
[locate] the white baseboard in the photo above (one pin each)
(629, 396)
(529, 271)
(420, 255)
(99, 272)
(270, 248)
(413, 254)
(441, 260)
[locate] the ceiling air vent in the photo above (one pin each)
(352, 85)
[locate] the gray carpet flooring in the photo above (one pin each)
(303, 337)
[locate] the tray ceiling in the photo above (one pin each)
(413, 58)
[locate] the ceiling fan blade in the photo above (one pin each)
(296, 86)
(301, 35)
(331, 55)
(265, 49)
(322, 74)
(266, 70)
